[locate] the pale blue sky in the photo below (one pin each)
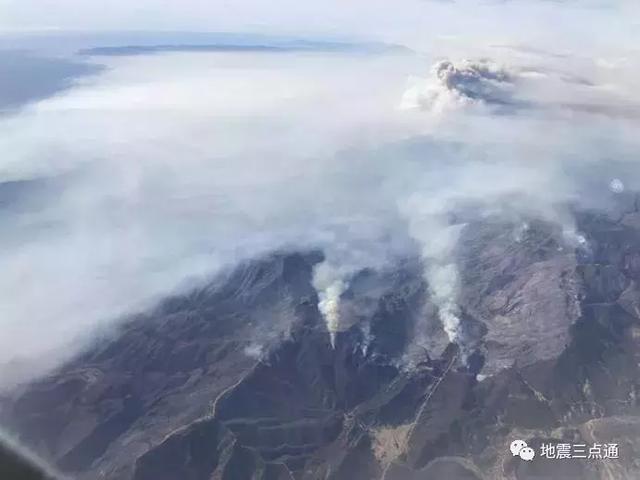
(414, 22)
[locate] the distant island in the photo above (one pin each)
(289, 46)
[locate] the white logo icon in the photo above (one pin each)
(520, 448)
(527, 454)
(516, 446)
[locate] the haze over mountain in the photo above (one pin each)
(357, 241)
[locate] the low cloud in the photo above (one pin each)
(28, 77)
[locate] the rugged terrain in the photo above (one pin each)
(238, 380)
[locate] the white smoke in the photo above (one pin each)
(331, 281)
(254, 350)
(329, 305)
(174, 166)
(437, 238)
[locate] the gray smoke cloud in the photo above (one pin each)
(461, 85)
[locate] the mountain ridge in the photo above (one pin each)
(176, 395)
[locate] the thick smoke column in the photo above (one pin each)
(330, 281)
(443, 284)
(429, 226)
(329, 306)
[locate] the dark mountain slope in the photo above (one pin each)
(551, 352)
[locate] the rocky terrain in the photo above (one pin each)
(238, 380)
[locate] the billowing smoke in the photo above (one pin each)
(330, 284)
(163, 170)
(365, 248)
(467, 83)
(430, 226)
(466, 96)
